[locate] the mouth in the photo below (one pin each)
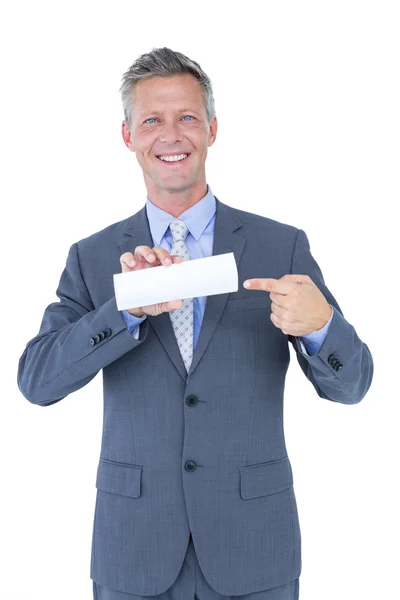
(175, 163)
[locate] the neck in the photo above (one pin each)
(176, 202)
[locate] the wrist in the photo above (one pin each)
(327, 316)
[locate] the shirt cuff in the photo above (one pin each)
(313, 341)
(132, 323)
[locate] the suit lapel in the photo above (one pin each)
(226, 224)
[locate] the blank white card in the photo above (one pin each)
(189, 279)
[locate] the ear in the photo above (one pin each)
(213, 131)
(126, 136)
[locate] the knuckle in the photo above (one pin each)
(142, 249)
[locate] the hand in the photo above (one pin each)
(145, 257)
(298, 307)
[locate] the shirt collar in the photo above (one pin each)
(196, 218)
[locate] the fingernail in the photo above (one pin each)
(167, 261)
(132, 263)
(151, 257)
(247, 284)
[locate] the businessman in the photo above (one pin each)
(195, 493)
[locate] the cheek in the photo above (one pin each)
(139, 157)
(197, 135)
(143, 153)
(144, 143)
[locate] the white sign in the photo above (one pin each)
(189, 279)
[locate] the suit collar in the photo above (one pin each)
(196, 218)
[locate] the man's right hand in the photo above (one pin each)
(142, 259)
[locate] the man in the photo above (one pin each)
(193, 441)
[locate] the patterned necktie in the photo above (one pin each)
(182, 318)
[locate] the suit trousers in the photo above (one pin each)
(191, 585)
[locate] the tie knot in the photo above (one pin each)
(179, 230)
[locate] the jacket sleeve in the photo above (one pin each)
(74, 342)
(342, 369)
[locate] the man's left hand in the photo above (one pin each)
(298, 307)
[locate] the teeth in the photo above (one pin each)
(173, 158)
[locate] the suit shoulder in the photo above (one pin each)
(108, 235)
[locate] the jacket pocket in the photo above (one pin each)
(265, 478)
(119, 478)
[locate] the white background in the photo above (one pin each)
(307, 100)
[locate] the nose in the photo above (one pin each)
(170, 133)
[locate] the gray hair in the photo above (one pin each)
(164, 62)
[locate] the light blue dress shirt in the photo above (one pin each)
(199, 219)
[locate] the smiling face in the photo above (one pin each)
(169, 118)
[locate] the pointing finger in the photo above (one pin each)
(270, 285)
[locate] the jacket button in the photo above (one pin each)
(334, 362)
(97, 339)
(192, 400)
(190, 465)
(92, 341)
(107, 332)
(102, 335)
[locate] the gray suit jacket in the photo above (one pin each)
(205, 451)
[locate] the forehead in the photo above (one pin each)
(180, 92)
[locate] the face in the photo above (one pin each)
(169, 118)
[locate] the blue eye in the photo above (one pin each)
(154, 118)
